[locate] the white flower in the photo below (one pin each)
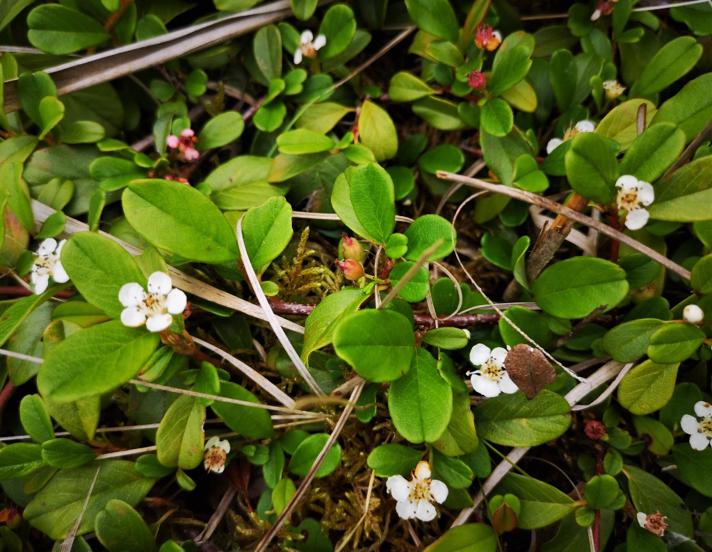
(414, 498)
(655, 523)
(491, 379)
(154, 307)
(700, 432)
(633, 195)
(308, 46)
(693, 314)
(582, 126)
(47, 265)
(613, 89)
(215, 456)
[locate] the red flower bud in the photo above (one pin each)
(477, 80)
(351, 248)
(595, 430)
(352, 269)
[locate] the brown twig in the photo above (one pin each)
(570, 213)
(114, 18)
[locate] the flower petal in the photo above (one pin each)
(479, 354)
(694, 315)
(213, 441)
(159, 282)
(636, 219)
(224, 444)
(298, 56)
(689, 424)
(132, 316)
(59, 275)
(176, 301)
(306, 37)
(172, 141)
(646, 193)
(41, 282)
(422, 470)
(703, 409)
(552, 144)
(507, 385)
(131, 294)
(425, 511)
(439, 491)
(627, 182)
(642, 518)
(47, 246)
(319, 42)
(398, 487)
(498, 355)
(585, 126)
(699, 441)
(485, 386)
(158, 322)
(406, 509)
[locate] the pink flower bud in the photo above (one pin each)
(173, 141)
(477, 80)
(352, 269)
(351, 248)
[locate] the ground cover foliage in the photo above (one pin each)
(357, 275)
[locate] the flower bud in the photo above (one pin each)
(613, 89)
(477, 80)
(351, 248)
(352, 269)
(595, 430)
(486, 38)
(504, 513)
(693, 314)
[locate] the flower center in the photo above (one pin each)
(490, 370)
(154, 303)
(215, 457)
(705, 427)
(308, 50)
(628, 200)
(419, 490)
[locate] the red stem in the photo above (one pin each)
(6, 393)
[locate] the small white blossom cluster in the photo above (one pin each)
(414, 498)
(154, 307)
(215, 456)
(633, 196)
(308, 46)
(47, 265)
(491, 378)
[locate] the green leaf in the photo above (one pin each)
(470, 537)
(51, 113)
(98, 267)
(94, 361)
(267, 50)
(80, 418)
(221, 130)
(180, 436)
(460, 436)
(522, 96)
(338, 26)
(376, 131)
(674, 342)
(20, 459)
(59, 30)
(424, 232)
(269, 117)
(574, 288)
(647, 387)
(541, 503)
(455, 473)
(32, 88)
(179, 219)
(446, 338)
(694, 467)
(35, 418)
(17, 313)
(702, 275)
(393, 459)
(416, 288)
(307, 451)
(406, 87)
(591, 167)
(511, 65)
(301, 141)
(282, 494)
(374, 354)
(684, 195)
(628, 341)
(435, 17)
(267, 230)
(690, 109)
(9, 9)
(496, 117)
(621, 122)
(363, 197)
(653, 152)
(55, 509)
(671, 62)
(602, 491)
(440, 114)
(444, 157)
(527, 175)
(253, 423)
(64, 453)
(120, 528)
(322, 117)
(649, 494)
(420, 403)
(515, 421)
(304, 9)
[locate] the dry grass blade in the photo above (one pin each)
(271, 317)
(605, 373)
(304, 485)
(181, 280)
(570, 213)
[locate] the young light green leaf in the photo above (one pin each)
(120, 528)
(60, 30)
(470, 537)
(254, 423)
(435, 17)
(267, 230)
(35, 418)
(180, 436)
(647, 387)
(377, 131)
(308, 450)
(221, 130)
(393, 459)
(591, 167)
(675, 59)
(653, 152)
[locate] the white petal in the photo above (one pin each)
(306, 37)
(552, 144)
(159, 282)
(59, 275)
(225, 445)
(41, 282)
(406, 509)
(596, 15)
(319, 42)
(585, 126)
(218, 469)
(627, 182)
(498, 355)
(176, 301)
(159, 322)
(439, 491)
(131, 294)
(636, 219)
(689, 424)
(133, 317)
(699, 441)
(212, 442)
(47, 246)
(694, 315)
(507, 385)
(60, 245)
(422, 470)
(298, 56)
(642, 518)
(703, 409)
(399, 487)
(646, 193)
(479, 354)
(485, 386)
(425, 511)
